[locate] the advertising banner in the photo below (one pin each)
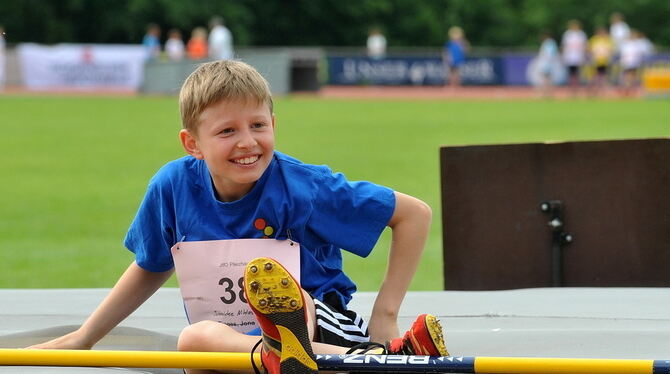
(516, 69)
(410, 71)
(81, 66)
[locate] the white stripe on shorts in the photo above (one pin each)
(336, 331)
(341, 325)
(339, 318)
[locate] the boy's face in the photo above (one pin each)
(236, 140)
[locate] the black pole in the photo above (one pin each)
(559, 238)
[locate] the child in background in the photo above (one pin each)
(151, 41)
(376, 44)
(231, 178)
(573, 46)
(174, 46)
(548, 62)
(196, 48)
(634, 51)
(454, 54)
(601, 50)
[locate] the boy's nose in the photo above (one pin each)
(246, 141)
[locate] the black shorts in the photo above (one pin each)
(338, 326)
(573, 70)
(601, 69)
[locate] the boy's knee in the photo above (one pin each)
(193, 336)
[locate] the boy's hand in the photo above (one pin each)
(73, 340)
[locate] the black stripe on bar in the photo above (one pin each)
(396, 363)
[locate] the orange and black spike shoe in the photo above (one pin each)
(424, 338)
(276, 299)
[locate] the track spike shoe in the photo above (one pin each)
(276, 299)
(424, 338)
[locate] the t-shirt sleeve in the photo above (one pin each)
(351, 215)
(151, 234)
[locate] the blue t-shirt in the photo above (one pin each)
(456, 52)
(152, 46)
(319, 209)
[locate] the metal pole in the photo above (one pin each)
(556, 264)
(559, 238)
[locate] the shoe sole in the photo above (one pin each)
(274, 293)
(437, 337)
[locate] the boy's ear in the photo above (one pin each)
(273, 121)
(190, 143)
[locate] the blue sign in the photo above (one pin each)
(417, 71)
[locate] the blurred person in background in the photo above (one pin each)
(647, 45)
(220, 40)
(634, 51)
(573, 46)
(601, 50)
(2, 57)
(152, 42)
(197, 45)
(455, 51)
(376, 44)
(619, 31)
(548, 61)
(174, 46)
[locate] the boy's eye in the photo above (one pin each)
(227, 131)
(258, 125)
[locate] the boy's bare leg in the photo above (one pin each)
(210, 336)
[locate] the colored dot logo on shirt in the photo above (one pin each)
(260, 224)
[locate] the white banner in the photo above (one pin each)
(82, 66)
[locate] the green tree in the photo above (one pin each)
(406, 23)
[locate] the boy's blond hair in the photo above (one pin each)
(216, 81)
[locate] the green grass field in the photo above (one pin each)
(74, 169)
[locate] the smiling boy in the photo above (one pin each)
(231, 179)
(237, 145)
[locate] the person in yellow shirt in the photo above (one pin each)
(601, 50)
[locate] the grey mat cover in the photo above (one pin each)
(542, 322)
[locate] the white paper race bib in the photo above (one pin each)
(211, 276)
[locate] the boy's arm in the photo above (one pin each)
(410, 224)
(134, 287)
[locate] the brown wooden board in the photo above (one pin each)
(616, 197)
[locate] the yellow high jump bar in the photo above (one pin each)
(378, 363)
(526, 365)
(127, 359)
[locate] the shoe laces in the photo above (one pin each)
(253, 362)
(365, 347)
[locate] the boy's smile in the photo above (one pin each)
(236, 140)
(247, 160)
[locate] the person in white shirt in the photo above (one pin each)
(647, 45)
(174, 46)
(634, 51)
(376, 44)
(220, 40)
(574, 46)
(619, 31)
